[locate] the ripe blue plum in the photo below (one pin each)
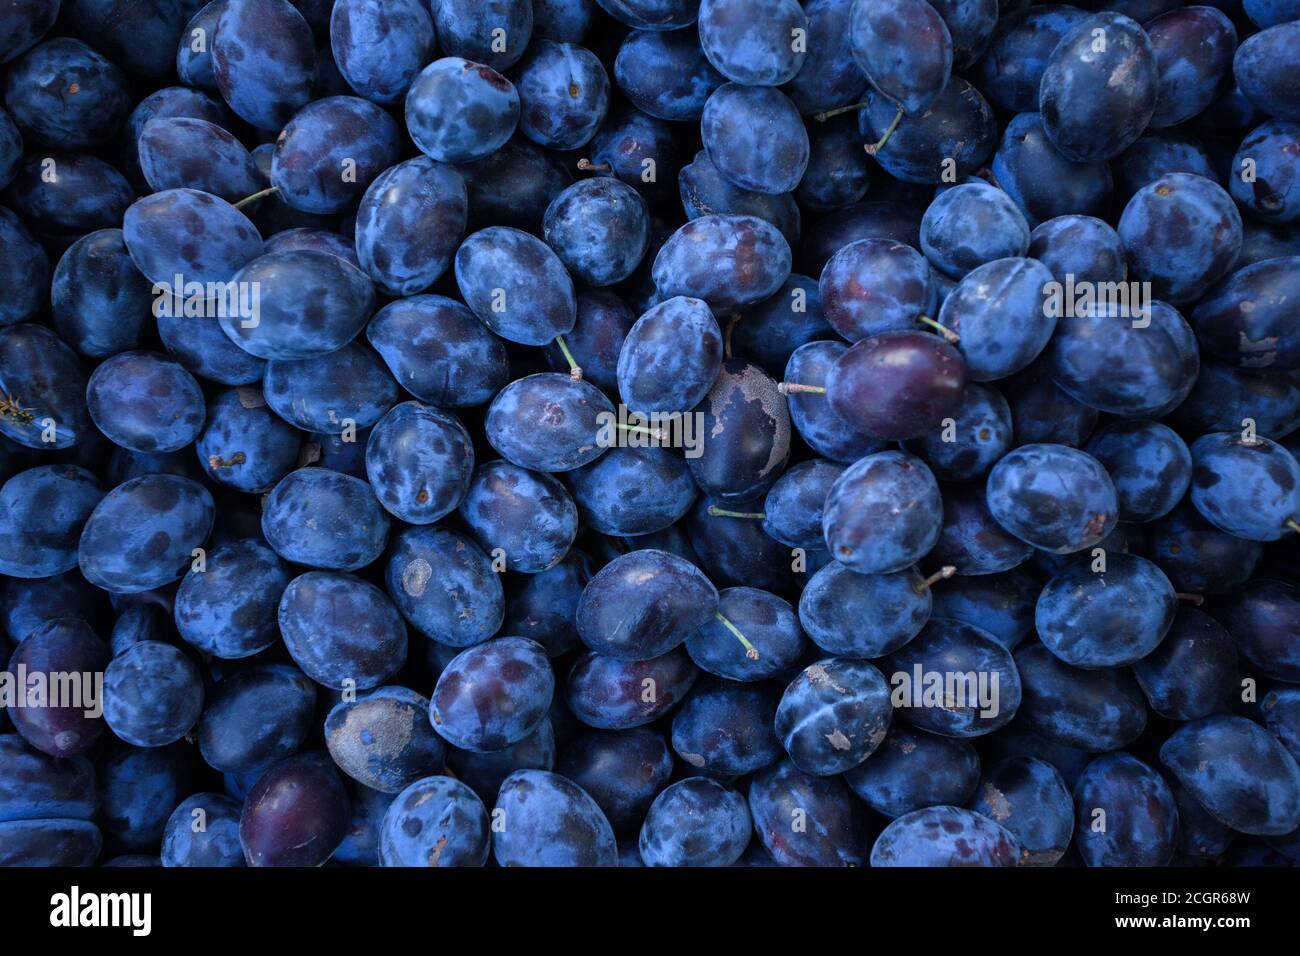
(1136, 810)
(516, 285)
(883, 514)
(755, 137)
(1071, 510)
(342, 631)
(296, 814)
(1091, 710)
(946, 836)
(145, 402)
(563, 94)
(611, 694)
(379, 50)
(383, 739)
(264, 60)
(419, 460)
(1248, 487)
(804, 820)
(322, 519)
(727, 729)
(622, 771)
(670, 357)
(696, 822)
(439, 352)
(465, 604)
(436, 821)
(42, 513)
(458, 110)
(153, 694)
(550, 821)
(529, 516)
(834, 715)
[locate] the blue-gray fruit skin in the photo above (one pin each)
(1248, 488)
(1243, 321)
(516, 285)
(1096, 104)
(1193, 673)
(1002, 605)
(493, 695)
(458, 111)
(830, 77)
(383, 739)
(911, 80)
(670, 357)
(876, 285)
(35, 786)
(468, 28)
(330, 136)
(1029, 798)
(643, 605)
(666, 74)
(756, 138)
(311, 303)
(380, 49)
(49, 843)
(34, 92)
(979, 311)
(153, 694)
(342, 631)
(1043, 183)
(1045, 514)
(971, 540)
(958, 128)
(183, 151)
(745, 434)
(436, 821)
(1083, 246)
(528, 515)
(600, 228)
(244, 444)
(1260, 617)
(911, 770)
(749, 41)
(949, 647)
(419, 460)
(1094, 711)
(1273, 195)
(296, 814)
(228, 609)
(946, 836)
(24, 267)
(727, 729)
(1262, 67)
(1012, 67)
(1149, 464)
(548, 422)
(88, 194)
(1193, 50)
(769, 624)
(322, 519)
(610, 694)
(972, 224)
(883, 514)
(438, 351)
(1256, 790)
(1125, 814)
(833, 715)
(255, 717)
(483, 773)
(550, 821)
(145, 402)
(542, 606)
(410, 221)
(25, 22)
(1192, 214)
(622, 771)
(728, 261)
(825, 430)
(1108, 618)
(194, 234)
(445, 586)
(863, 615)
(264, 60)
(696, 822)
(983, 434)
(42, 512)
(332, 394)
(207, 838)
(633, 491)
(563, 94)
(1281, 708)
(142, 534)
(738, 552)
(138, 787)
(836, 821)
(771, 331)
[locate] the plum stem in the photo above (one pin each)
(575, 370)
(942, 574)
(641, 430)
(794, 388)
(11, 407)
(273, 191)
(587, 166)
(1293, 524)
(716, 512)
(838, 111)
(951, 337)
(726, 344)
(874, 148)
(1195, 599)
(750, 650)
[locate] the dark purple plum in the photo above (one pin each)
(296, 814)
(611, 694)
(58, 646)
(728, 729)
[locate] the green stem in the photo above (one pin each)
(949, 335)
(876, 147)
(942, 574)
(824, 116)
(794, 388)
(273, 191)
(575, 370)
(716, 512)
(750, 650)
(1292, 524)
